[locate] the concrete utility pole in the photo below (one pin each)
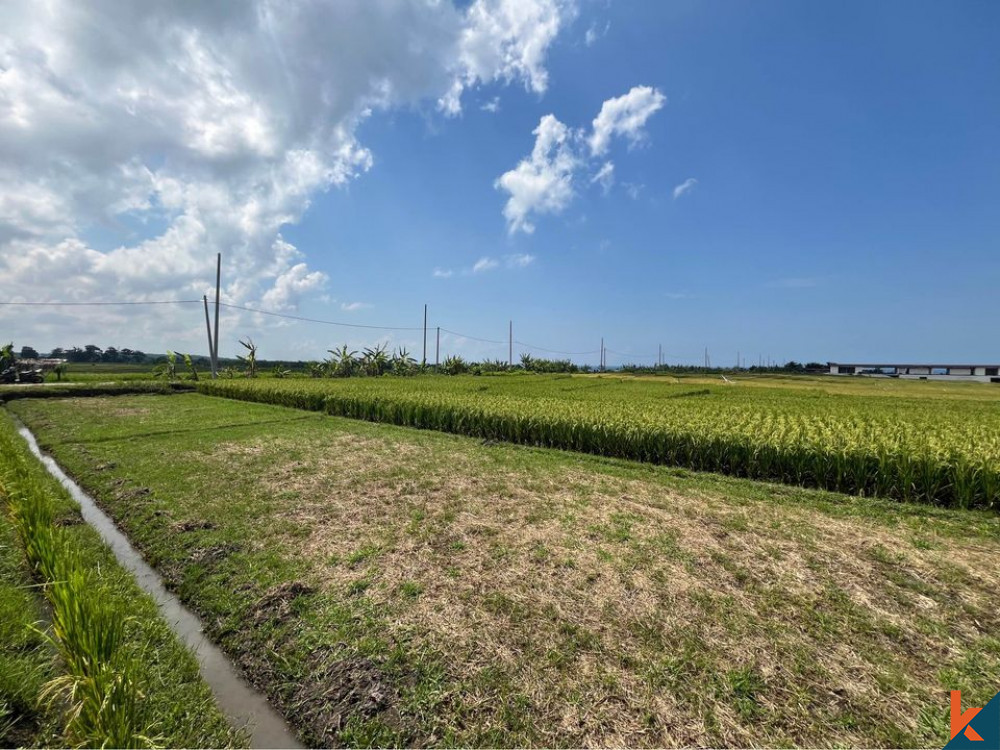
(218, 286)
(602, 354)
(510, 344)
(423, 361)
(437, 348)
(211, 347)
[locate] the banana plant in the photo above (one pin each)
(250, 359)
(7, 356)
(402, 363)
(192, 371)
(342, 362)
(168, 369)
(375, 361)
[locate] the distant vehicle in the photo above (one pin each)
(16, 375)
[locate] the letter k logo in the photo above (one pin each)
(960, 721)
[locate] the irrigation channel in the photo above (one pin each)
(242, 705)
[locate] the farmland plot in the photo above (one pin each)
(386, 585)
(924, 447)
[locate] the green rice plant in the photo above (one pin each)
(87, 630)
(942, 452)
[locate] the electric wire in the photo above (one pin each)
(103, 304)
(303, 319)
(316, 320)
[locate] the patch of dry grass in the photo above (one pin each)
(621, 609)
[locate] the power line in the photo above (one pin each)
(316, 320)
(638, 356)
(556, 351)
(103, 304)
(473, 338)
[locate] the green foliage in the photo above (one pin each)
(454, 365)
(342, 363)
(168, 369)
(125, 681)
(375, 361)
(945, 452)
(102, 707)
(192, 370)
(250, 359)
(402, 363)
(7, 356)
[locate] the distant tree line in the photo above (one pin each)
(91, 353)
(791, 368)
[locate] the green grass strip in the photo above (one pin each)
(69, 390)
(123, 678)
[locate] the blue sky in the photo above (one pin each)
(848, 175)
(845, 178)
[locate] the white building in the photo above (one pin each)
(978, 373)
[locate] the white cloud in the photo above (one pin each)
(493, 105)
(290, 285)
(624, 115)
(442, 273)
(543, 182)
(505, 40)
(593, 34)
(354, 306)
(485, 264)
(519, 260)
(186, 129)
(685, 187)
(605, 176)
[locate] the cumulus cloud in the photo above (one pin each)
(354, 306)
(505, 40)
(542, 183)
(493, 105)
(626, 116)
(685, 187)
(485, 264)
(186, 129)
(443, 273)
(290, 285)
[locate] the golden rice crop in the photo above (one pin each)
(936, 451)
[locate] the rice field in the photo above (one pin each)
(908, 441)
(385, 586)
